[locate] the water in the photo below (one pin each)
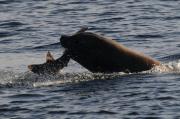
(28, 29)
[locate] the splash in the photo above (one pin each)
(74, 78)
(170, 67)
(29, 79)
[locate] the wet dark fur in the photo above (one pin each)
(100, 54)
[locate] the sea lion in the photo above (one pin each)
(51, 66)
(100, 54)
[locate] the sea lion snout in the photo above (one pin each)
(65, 40)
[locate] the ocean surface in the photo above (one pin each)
(30, 28)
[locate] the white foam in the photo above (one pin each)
(33, 80)
(170, 67)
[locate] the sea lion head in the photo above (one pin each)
(71, 41)
(65, 41)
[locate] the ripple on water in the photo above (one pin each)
(27, 96)
(149, 36)
(10, 24)
(93, 112)
(13, 109)
(7, 1)
(7, 34)
(58, 112)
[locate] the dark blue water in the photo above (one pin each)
(28, 29)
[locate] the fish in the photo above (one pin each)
(51, 66)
